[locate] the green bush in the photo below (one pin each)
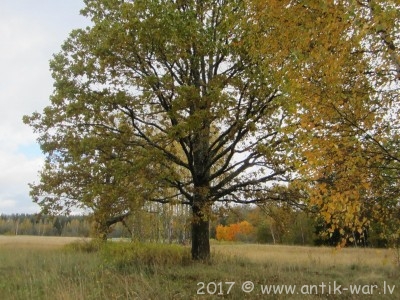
(88, 246)
(127, 254)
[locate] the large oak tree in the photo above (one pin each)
(208, 98)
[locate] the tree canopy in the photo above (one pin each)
(206, 101)
(352, 156)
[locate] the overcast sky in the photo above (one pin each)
(31, 31)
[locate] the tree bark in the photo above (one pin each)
(200, 233)
(201, 181)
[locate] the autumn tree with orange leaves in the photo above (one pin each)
(234, 232)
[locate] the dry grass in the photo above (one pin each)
(299, 255)
(35, 242)
(41, 268)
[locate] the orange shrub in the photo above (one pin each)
(221, 233)
(233, 231)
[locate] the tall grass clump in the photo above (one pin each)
(86, 246)
(125, 255)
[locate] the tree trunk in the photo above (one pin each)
(200, 234)
(272, 233)
(201, 181)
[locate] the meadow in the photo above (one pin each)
(71, 268)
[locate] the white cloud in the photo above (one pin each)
(30, 31)
(7, 204)
(24, 76)
(17, 171)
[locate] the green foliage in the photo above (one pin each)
(125, 255)
(157, 100)
(85, 246)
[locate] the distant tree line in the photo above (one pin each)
(32, 224)
(283, 224)
(153, 222)
(272, 224)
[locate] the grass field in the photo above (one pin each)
(53, 268)
(35, 242)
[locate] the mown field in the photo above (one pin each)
(70, 268)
